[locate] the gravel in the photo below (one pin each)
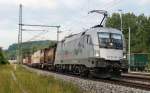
(89, 86)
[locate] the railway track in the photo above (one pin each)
(133, 83)
(139, 73)
(137, 77)
(126, 80)
(139, 82)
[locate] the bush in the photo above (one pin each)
(2, 58)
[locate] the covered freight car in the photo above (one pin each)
(47, 58)
(35, 58)
(27, 60)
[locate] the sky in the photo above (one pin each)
(71, 15)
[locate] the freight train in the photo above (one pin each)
(96, 52)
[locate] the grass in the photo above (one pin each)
(29, 82)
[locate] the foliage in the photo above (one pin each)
(2, 58)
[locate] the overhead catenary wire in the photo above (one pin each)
(32, 30)
(107, 6)
(38, 35)
(42, 31)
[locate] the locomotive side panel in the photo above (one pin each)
(75, 50)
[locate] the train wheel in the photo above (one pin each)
(90, 75)
(84, 71)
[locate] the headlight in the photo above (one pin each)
(111, 44)
(97, 53)
(124, 56)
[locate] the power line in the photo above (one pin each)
(36, 36)
(32, 30)
(111, 5)
(40, 25)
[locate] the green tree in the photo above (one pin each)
(2, 58)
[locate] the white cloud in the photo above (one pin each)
(38, 3)
(31, 3)
(7, 37)
(72, 4)
(144, 2)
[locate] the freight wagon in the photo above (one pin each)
(47, 58)
(27, 60)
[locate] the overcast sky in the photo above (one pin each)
(71, 15)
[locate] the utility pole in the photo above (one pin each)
(58, 33)
(20, 35)
(120, 19)
(129, 51)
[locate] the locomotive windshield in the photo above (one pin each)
(110, 40)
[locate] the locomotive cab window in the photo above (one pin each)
(103, 38)
(117, 40)
(110, 40)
